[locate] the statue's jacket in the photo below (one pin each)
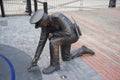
(61, 27)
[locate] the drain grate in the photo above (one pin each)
(3, 23)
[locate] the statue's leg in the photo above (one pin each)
(65, 52)
(51, 54)
(54, 57)
(81, 51)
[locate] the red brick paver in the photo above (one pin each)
(104, 42)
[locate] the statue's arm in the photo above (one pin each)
(42, 41)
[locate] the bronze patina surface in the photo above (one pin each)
(61, 32)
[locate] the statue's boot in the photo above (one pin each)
(81, 51)
(54, 60)
(51, 69)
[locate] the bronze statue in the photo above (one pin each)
(61, 32)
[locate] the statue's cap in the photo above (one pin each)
(37, 16)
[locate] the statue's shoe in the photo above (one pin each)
(50, 69)
(87, 50)
(81, 51)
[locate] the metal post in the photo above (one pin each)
(45, 7)
(2, 8)
(35, 5)
(112, 3)
(81, 4)
(28, 7)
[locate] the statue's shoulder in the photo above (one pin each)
(57, 15)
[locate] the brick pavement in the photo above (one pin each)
(103, 39)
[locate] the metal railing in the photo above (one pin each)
(28, 6)
(15, 7)
(70, 5)
(18, 7)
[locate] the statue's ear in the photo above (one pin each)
(37, 16)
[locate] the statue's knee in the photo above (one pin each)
(54, 42)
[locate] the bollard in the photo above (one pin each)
(45, 7)
(28, 7)
(2, 8)
(35, 5)
(112, 3)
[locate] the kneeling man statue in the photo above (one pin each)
(61, 32)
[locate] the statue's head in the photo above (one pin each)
(39, 18)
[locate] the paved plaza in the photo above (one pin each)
(13, 7)
(100, 32)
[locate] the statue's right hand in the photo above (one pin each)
(50, 35)
(33, 64)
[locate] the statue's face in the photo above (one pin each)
(44, 23)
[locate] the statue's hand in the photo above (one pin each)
(33, 64)
(50, 35)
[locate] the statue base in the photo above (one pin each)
(14, 64)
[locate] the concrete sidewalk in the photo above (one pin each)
(101, 32)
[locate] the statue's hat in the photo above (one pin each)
(37, 16)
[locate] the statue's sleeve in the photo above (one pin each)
(42, 41)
